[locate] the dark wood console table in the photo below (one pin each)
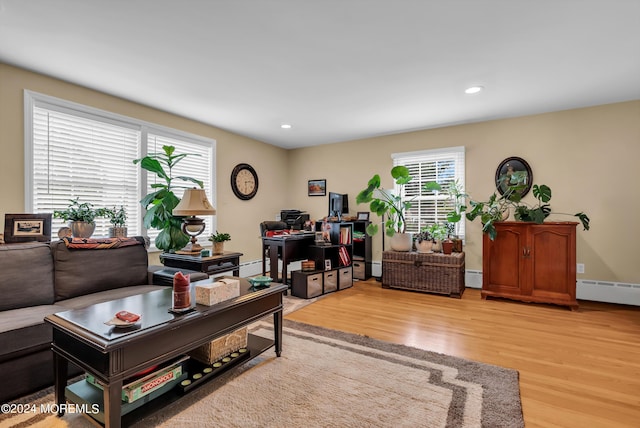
(218, 263)
(113, 355)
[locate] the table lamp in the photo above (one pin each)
(194, 202)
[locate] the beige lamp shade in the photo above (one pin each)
(194, 202)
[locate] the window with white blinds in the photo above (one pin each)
(444, 166)
(73, 151)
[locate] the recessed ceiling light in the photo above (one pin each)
(285, 126)
(473, 89)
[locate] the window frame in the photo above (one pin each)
(456, 154)
(34, 99)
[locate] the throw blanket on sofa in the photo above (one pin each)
(101, 243)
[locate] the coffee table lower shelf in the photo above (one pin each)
(82, 393)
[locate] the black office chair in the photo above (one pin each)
(269, 225)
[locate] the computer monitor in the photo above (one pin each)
(338, 204)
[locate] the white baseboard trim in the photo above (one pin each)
(608, 292)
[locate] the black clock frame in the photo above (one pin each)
(234, 186)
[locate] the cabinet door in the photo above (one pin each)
(502, 269)
(553, 263)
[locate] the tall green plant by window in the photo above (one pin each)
(161, 201)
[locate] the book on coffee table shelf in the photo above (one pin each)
(84, 393)
(139, 386)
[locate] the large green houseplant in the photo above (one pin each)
(161, 201)
(497, 207)
(385, 203)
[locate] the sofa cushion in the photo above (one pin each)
(22, 330)
(27, 275)
(79, 271)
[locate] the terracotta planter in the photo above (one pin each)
(402, 242)
(447, 246)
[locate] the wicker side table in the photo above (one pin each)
(428, 272)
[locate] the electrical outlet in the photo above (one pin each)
(580, 268)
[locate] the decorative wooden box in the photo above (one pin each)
(428, 272)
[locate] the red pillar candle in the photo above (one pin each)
(181, 292)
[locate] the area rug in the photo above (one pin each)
(327, 378)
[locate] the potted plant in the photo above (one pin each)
(117, 218)
(456, 196)
(497, 207)
(218, 240)
(385, 203)
(81, 217)
(439, 234)
(161, 201)
(423, 241)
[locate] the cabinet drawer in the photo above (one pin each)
(345, 278)
(306, 285)
(330, 281)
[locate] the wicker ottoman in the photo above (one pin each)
(428, 272)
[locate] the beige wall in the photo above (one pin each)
(239, 218)
(587, 156)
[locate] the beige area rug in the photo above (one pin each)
(328, 378)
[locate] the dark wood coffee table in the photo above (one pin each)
(113, 355)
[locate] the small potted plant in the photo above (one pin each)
(117, 218)
(218, 240)
(423, 241)
(439, 234)
(81, 217)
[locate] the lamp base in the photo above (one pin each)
(191, 249)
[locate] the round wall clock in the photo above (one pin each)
(244, 181)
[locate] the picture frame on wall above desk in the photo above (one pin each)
(317, 187)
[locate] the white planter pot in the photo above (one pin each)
(424, 246)
(402, 242)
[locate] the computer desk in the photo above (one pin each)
(289, 248)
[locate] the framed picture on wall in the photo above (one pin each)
(27, 227)
(507, 168)
(317, 187)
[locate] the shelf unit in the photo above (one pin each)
(362, 251)
(333, 264)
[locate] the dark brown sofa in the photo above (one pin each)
(38, 279)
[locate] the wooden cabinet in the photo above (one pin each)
(531, 263)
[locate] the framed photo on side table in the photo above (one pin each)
(27, 227)
(317, 188)
(363, 215)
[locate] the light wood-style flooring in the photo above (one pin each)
(577, 369)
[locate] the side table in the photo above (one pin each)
(227, 261)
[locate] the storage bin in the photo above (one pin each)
(430, 272)
(345, 278)
(330, 281)
(306, 285)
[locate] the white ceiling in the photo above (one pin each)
(336, 70)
